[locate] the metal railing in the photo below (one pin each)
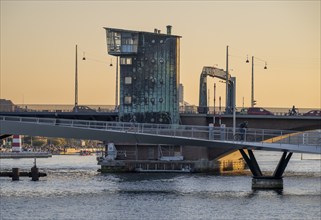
(187, 109)
(310, 138)
(276, 111)
(56, 108)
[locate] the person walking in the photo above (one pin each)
(243, 127)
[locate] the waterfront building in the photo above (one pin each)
(149, 74)
(6, 105)
(150, 92)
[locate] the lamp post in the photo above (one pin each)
(253, 102)
(227, 72)
(252, 83)
(76, 79)
(233, 81)
(214, 104)
(219, 109)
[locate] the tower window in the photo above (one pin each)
(125, 61)
(128, 80)
(128, 100)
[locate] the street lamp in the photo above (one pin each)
(253, 102)
(76, 76)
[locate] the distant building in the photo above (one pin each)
(6, 105)
(149, 74)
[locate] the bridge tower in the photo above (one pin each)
(221, 74)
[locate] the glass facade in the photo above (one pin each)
(120, 42)
(149, 75)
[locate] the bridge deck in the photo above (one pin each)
(203, 136)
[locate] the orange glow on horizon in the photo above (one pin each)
(38, 41)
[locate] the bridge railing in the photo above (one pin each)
(189, 109)
(32, 108)
(312, 138)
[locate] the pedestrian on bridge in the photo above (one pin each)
(243, 127)
(293, 111)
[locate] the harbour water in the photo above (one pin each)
(74, 189)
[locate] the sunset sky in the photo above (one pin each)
(38, 41)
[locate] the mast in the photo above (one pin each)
(76, 80)
(227, 105)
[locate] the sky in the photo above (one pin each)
(38, 41)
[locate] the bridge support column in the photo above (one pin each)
(251, 162)
(34, 173)
(266, 182)
(15, 174)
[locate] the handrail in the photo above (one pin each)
(311, 138)
(90, 109)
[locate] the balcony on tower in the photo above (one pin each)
(121, 42)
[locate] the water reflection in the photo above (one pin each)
(260, 192)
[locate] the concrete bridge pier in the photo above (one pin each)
(266, 182)
(34, 173)
(15, 174)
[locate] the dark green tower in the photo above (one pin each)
(149, 74)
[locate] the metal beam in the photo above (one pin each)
(282, 164)
(251, 162)
(3, 136)
(256, 165)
